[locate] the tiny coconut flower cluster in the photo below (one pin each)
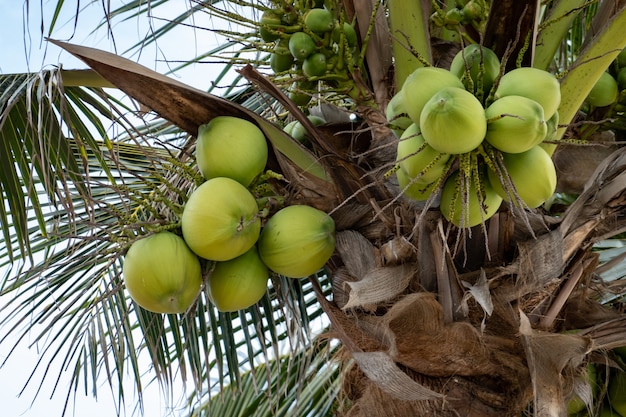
(492, 124)
(223, 223)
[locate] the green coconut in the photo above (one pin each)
(397, 116)
(348, 32)
(315, 64)
(415, 190)
(319, 20)
(301, 45)
(270, 21)
(532, 173)
(604, 92)
(471, 210)
(297, 241)
(470, 59)
(418, 159)
(515, 124)
(421, 85)
(162, 274)
(453, 121)
(220, 220)
(238, 283)
(533, 83)
(231, 147)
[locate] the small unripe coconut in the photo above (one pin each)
(453, 121)
(471, 57)
(421, 85)
(238, 283)
(319, 20)
(220, 220)
(604, 92)
(533, 83)
(280, 62)
(162, 274)
(348, 32)
(301, 45)
(533, 174)
(231, 147)
(297, 241)
(515, 124)
(270, 21)
(315, 64)
(476, 210)
(419, 159)
(297, 131)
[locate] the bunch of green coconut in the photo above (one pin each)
(227, 233)
(476, 135)
(310, 42)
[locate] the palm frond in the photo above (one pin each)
(304, 383)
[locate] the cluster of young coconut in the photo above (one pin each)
(310, 43)
(476, 135)
(227, 230)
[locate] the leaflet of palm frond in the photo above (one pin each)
(183, 105)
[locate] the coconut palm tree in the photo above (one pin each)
(420, 314)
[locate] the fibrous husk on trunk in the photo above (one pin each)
(480, 324)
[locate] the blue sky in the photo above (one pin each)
(22, 49)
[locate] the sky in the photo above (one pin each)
(23, 49)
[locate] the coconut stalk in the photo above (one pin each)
(409, 40)
(553, 30)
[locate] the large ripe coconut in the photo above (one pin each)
(297, 241)
(481, 62)
(231, 147)
(418, 159)
(533, 83)
(162, 274)
(421, 85)
(515, 124)
(453, 121)
(238, 283)
(471, 210)
(220, 220)
(532, 173)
